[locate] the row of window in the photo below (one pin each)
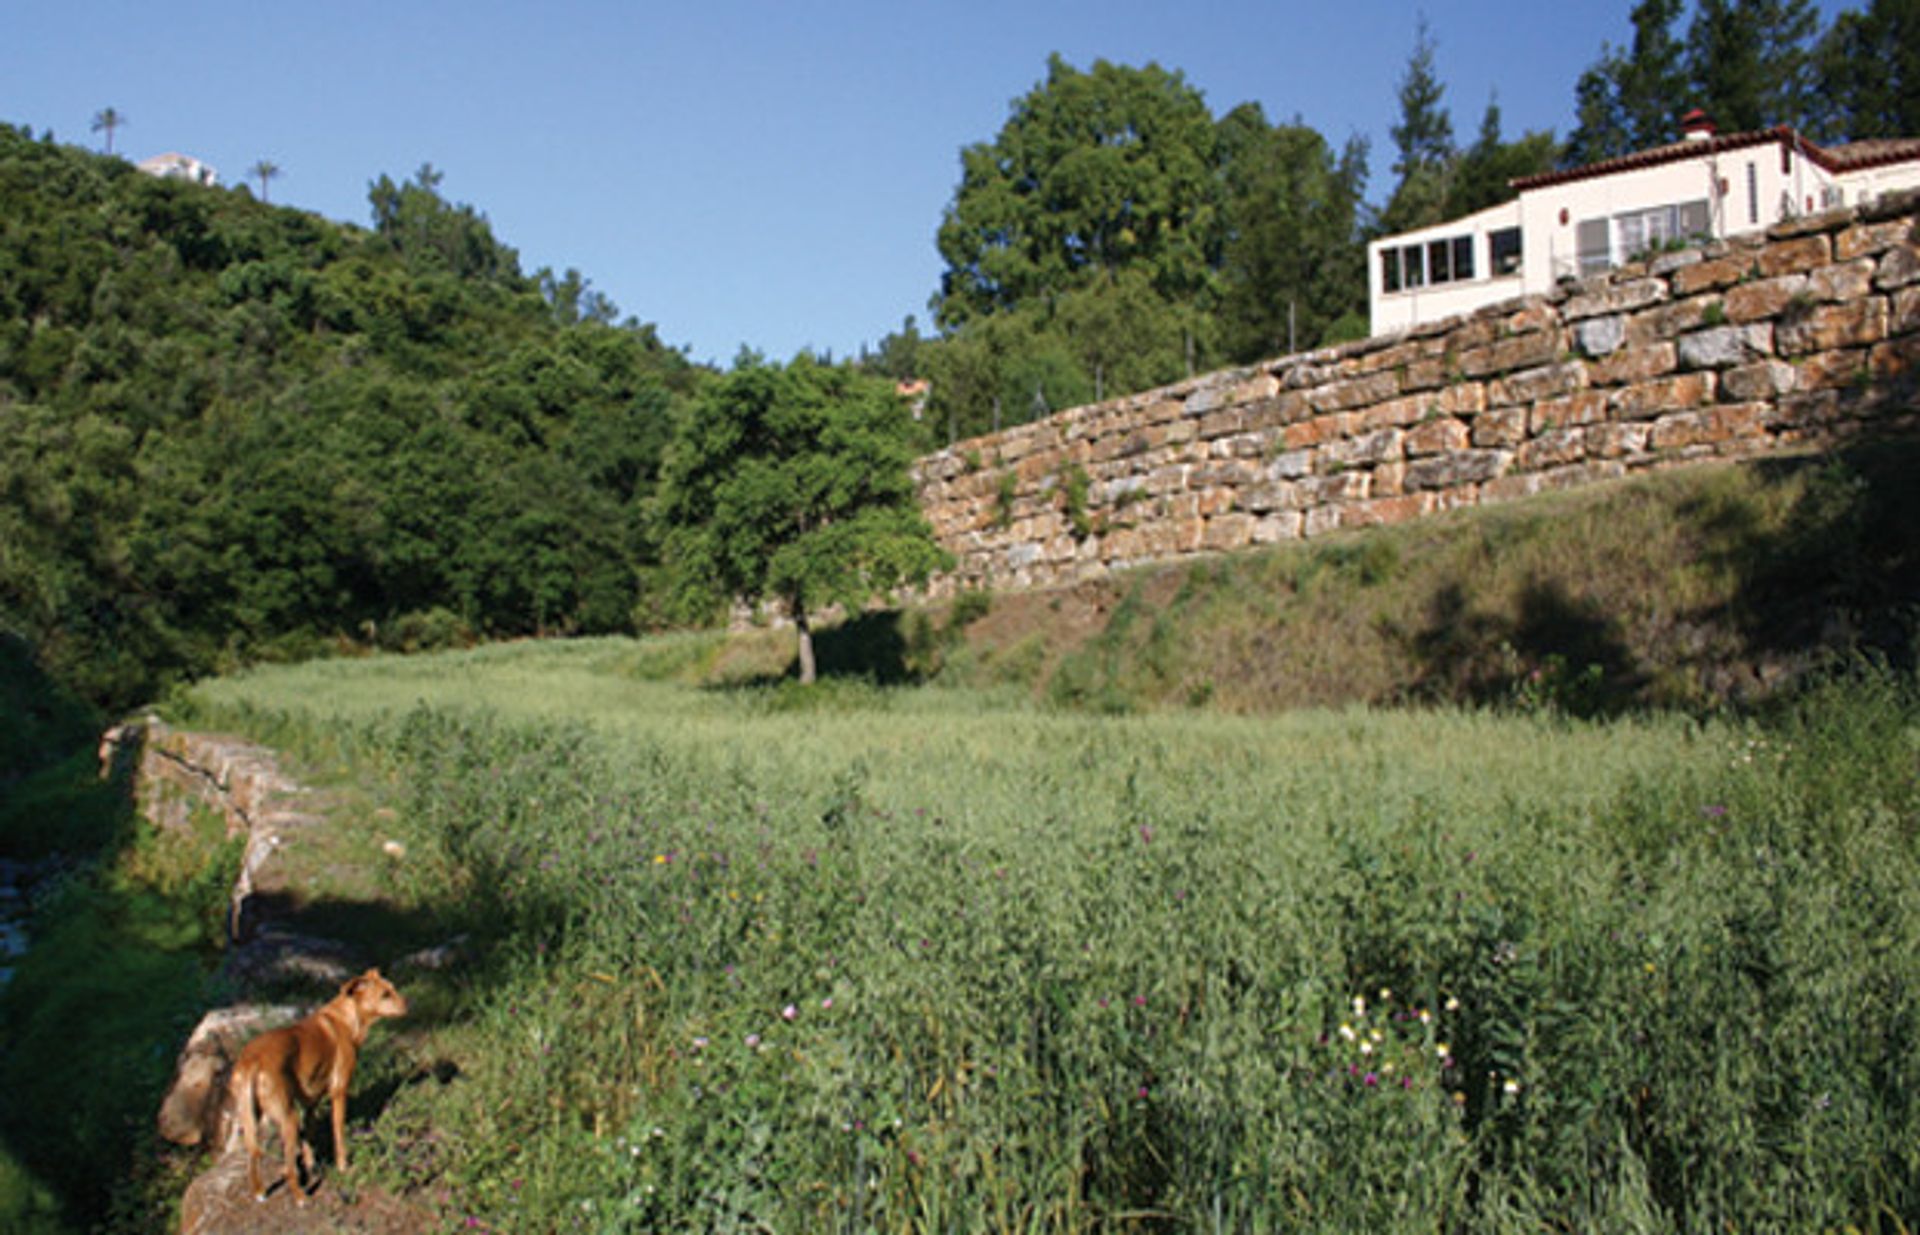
(1633, 233)
(1448, 260)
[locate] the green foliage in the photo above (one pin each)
(228, 430)
(1867, 66)
(791, 484)
(776, 964)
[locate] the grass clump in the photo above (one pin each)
(949, 962)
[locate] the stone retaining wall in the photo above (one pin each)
(1798, 336)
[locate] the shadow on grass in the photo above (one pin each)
(1837, 577)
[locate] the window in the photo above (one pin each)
(1590, 242)
(1440, 261)
(1390, 270)
(1753, 193)
(1503, 251)
(1412, 269)
(1463, 257)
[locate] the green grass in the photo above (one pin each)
(934, 959)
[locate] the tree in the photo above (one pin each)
(1094, 172)
(263, 171)
(1868, 71)
(1424, 139)
(1749, 62)
(791, 484)
(1484, 172)
(1292, 266)
(1632, 99)
(108, 119)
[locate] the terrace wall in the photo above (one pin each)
(1793, 338)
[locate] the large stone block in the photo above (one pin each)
(1709, 426)
(1869, 239)
(1859, 323)
(1899, 268)
(1795, 256)
(1842, 281)
(1461, 467)
(1723, 347)
(1500, 429)
(1437, 437)
(1614, 297)
(1635, 364)
(1600, 336)
(1765, 379)
(1763, 298)
(1535, 384)
(1583, 407)
(1644, 399)
(1553, 448)
(1710, 275)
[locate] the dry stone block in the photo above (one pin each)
(1396, 413)
(1358, 392)
(1615, 441)
(1461, 399)
(1553, 448)
(1795, 256)
(1319, 430)
(1835, 370)
(1290, 464)
(1621, 297)
(1859, 323)
(1765, 380)
(1384, 510)
(1600, 336)
(1278, 527)
(1583, 407)
(1636, 364)
(1723, 347)
(1709, 276)
(1271, 496)
(1644, 399)
(1869, 239)
(1899, 268)
(1896, 359)
(1536, 384)
(1501, 429)
(1437, 437)
(1906, 311)
(1710, 426)
(1226, 532)
(1669, 320)
(1461, 467)
(1845, 281)
(1341, 487)
(1750, 302)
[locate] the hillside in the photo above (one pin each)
(230, 430)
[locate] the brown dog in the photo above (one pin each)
(286, 1069)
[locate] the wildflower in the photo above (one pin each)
(659, 859)
(1143, 1093)
(1366, 1048)
(1512, 1086)
(1442, 1049)
(826, 1003)
(789, 1012)
(1139, 1001)
(1372, 1079)
(699, 1044)
(753, 1041)
(1452, 1004)
(1385, 994)
(1713, 812)
(1426, 1017)
(1346, 1031)
(1359, 1005)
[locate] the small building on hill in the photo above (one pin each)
(175, 166)
(1585, 220)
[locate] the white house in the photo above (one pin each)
(1586, 219)
(173, 166)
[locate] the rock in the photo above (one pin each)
(195, 1110)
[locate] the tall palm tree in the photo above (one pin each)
(109, 119)
(263, 171)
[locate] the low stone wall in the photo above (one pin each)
(1780, 340)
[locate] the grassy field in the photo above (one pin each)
(941, 959)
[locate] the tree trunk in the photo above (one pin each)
(807, 671)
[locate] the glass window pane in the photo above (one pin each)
(1439, 267)
(1463, 257)
(1390, 270)
(1413, 269)
(1503, 251)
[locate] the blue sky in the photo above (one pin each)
(736, 171)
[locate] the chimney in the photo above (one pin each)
(1697, 126)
